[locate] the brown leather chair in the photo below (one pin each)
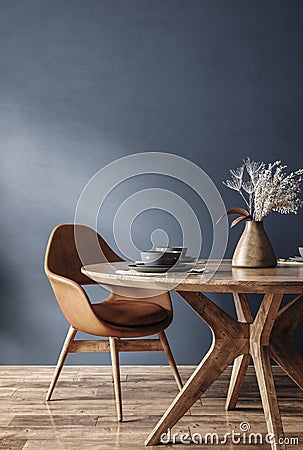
(117, 318)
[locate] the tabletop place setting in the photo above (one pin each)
(298, 258)
(293, 260)
(167, 261)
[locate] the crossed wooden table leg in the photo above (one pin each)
(281, 345)
(239, 340)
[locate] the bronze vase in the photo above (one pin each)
(254, 248)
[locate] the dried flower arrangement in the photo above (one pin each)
(266, 188)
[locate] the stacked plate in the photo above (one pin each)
(164, 259)
(298, 258)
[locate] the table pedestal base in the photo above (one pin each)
(269, 334)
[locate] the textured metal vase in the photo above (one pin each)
(254, 248)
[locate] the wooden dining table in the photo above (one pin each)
(269, 334)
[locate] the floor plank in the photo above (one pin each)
(82, 414)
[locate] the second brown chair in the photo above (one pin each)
(118, 318)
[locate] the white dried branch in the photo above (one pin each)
(269, 188)
(234, 183)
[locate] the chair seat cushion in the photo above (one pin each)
(130, 313)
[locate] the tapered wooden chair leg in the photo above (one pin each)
(64, 352)
(114, 352)
(170, 358)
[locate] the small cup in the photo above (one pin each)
(301, 251)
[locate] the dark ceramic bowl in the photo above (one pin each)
(159, 258)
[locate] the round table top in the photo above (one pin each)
(225, 278)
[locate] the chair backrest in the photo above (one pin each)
(62, 253)
(63, 268)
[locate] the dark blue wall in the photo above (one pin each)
(83, 83)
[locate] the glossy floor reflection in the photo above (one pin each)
(82, 414)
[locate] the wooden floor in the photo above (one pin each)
(82, 413)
